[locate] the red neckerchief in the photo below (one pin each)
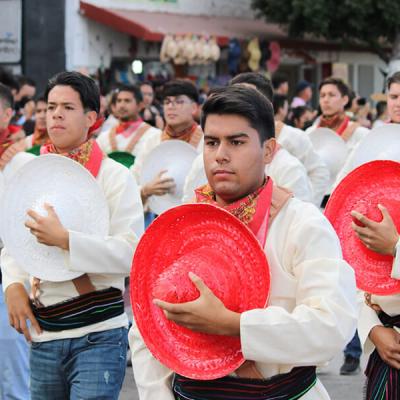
(97, 125)
(253, 210)
(127, 128)
(7, 137)
(40, 137)
(337, 122)
(191, 135)
(87, 154)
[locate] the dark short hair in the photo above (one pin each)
(24, 80)
(278, 79)
(137, 94)
(381, 107)
(181, 87)
(278, 102)
(40, 98)
(262, 83)
(6, 96)
(8, 79)
(245, 102)
(87, 88)
(342, 87)
(395, 78)
(146, 83)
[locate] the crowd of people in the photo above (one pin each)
(251, 141)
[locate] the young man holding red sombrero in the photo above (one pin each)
(78, 327)
(311, 312)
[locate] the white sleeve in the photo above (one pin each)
(111, 254)
(103, 141)
(324, 315)
(367, 320)
(11, 271)
(153, 380)
(396, 263)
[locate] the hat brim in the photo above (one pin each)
(234, 267)
(374, 183)
(77, 199)
(175, 156)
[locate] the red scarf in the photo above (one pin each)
(337, 122)
(40, 137)
(253, 210)
(127, 128)
(191, 135)
(8, 137)
(87, 154)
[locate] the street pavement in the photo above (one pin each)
(339, 387)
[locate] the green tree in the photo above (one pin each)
(375, 23)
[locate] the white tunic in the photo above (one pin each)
(107, 260)
(297, 143)
(389, 304)
(288, 172)
(311, 312)
(122, 142)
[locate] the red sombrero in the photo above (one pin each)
(373, 183)
(221, 250)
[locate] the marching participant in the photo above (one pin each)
(180, 103)
(311, 311)
(78, 355)
(131, 132)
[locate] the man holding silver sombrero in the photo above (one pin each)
(311, 311)
(82, 214)
(180, 103)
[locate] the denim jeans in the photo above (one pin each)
(14, 359)
(353, 348)
(89, 367)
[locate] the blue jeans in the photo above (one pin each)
(14, 359)
(89, 367)
(353, 348)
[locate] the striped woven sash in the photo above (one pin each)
(383, 381)
(80, 311)
(290, 386)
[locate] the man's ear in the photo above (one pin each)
(269, 149)
(345, 100)
(195, 109)
(91, 117)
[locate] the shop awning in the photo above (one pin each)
(153, 26)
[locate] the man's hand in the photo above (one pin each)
(380, 237)
(11, 151)
(158, 186)
(206, 314)
(387, 342)
(19, 310)
(48, 230)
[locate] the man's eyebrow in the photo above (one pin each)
(63, 103)
(230, 137)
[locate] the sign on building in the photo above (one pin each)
(10, 31)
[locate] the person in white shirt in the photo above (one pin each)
(311, 312)
(84, 356)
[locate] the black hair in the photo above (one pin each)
(87, 88)
(245, 102)
(277, 80)
(278, 102)
(261, 83)
(146, 83)
(342, 87)
(6, 96)
(8, 79)
(40, 98)
(395, 78)
(181, 87)
(137, 94)
(24, 80)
